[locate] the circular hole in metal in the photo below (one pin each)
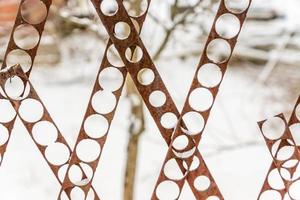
(172, 170)
(194, 122)
(218, 50)
(104, 102)
(168, 120)
(202, 183)
(201, 99)
(111, 79)
(75, 174)
(228, 26)
(14, 87)
(132, 10)
(109, 7)
(77, 194)
(88, 150)
(275, 180)
(96, 126)
(21, 57)
(180, 143)
(167, 190)
(209, 75)
(33, 11)
(31, 110)
(44, 133)
(145, 76)
(273, 128)
(122, 30)
(57, 153)
(157, 98)
(237, 6)
(26, 36)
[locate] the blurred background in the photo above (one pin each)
(263, 79)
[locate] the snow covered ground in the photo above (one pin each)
(231, 145)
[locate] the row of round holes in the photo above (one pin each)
(157, 94)
(32, 111)
(33, 12)
(276, 183)
(96, 125)
(274, 129)
(203, 93)
(207, 93)
(158, 98)
(281, 153)
(45, 134)
(107, 98)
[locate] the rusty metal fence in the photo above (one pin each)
(75, 169)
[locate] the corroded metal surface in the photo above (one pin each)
(27, 20)
(284, 170)
(31, 19)
(156, 90)
(17, 52)
(132, 57)
(39, 124)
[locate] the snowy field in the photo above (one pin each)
(232, 144)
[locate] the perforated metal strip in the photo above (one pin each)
(93, 112)
(99, 114)
(42, 128)
(284, 166)
(198, 114)
(35, 26)
(17, 53)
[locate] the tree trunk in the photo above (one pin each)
(136, 128)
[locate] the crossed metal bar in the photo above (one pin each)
(166, 132)
(192, 135)
(283, 166)
(57, 167)
(125, 47)
(131, 44)
(55, 150)
(12, 46)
